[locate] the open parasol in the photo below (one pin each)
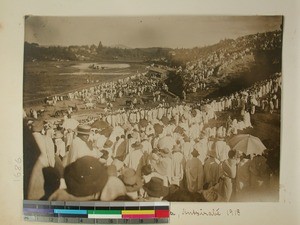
(247, 143)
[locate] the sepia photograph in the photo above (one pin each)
(152, 108)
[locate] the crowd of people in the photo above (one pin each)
(217, 62)
(169, 152)
(135, 85)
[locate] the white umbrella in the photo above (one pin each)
(247, 143)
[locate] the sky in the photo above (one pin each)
(145, 31)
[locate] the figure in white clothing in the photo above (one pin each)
(80, 147)
(221, 149)
(247, 119)
(60, 145)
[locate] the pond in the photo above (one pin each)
(101, 66)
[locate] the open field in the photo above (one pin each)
(42, 79)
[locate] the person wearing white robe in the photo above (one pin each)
(132, 160)
(202, 147)
(187, 147)
(147, 147)
(177, 166)
(227, 174)
(194, 173)
(247, 119)
(194, 131)
(60, 147)
(149, 130)
(234, 126)
(101, 141)
(79, 147)
(221, 148)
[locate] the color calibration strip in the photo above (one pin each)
(97, 212)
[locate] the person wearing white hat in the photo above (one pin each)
(132, 160)
(79, 147)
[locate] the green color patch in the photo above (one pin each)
(110, 212)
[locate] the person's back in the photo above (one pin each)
(221, 149)
(211, 171)
(194, 173)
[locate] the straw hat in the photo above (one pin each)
(83, 129)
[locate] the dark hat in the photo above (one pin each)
(108, 144)
(155, 188)
(231, 154)
(83, 129)
(85, 176)
(172, 121)
(193, 112)
(158, 128)
(105, 154)
(186, 138)
(179, 130)
(37, 126)
(195, 153)
(143, 123)
(137, 145)
(146, 169)
(165, 120)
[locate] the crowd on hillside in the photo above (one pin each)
(168, 152)
(216, 62)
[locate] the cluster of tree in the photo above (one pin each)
(33, 51)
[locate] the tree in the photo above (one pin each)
(100, 47)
